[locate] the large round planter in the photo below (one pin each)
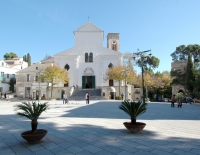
(134, 127)
(34, 137)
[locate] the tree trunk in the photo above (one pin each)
(119, 88)
(133, 120)
(51, 89)
(34, 126)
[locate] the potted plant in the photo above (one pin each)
(32, 111)
(133, 109)
(118, 98)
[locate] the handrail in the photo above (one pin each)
(71, 91)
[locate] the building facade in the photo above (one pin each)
(8, 69)
(87, 64)
(181, 67)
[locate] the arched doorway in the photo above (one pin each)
(181, 91)
(88, 79)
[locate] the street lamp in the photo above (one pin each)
(141, 61)
(124, 73)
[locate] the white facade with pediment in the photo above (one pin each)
(88, 62)
(88, 40)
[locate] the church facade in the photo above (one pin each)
(86, 62)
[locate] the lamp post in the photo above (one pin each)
(124, 73)
(141, 61)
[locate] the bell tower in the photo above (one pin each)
(113, 42)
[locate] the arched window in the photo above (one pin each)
(67, 67)
(91, 57)
(86, 57)
(110, 65)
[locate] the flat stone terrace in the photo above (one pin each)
(97, 128)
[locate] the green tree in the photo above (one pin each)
(189, 75)
(24, 58)
(12, 84)
(55, 75)
(182, 51)
(196, 82)
(151, 62)
(29, 59)
(10, 55)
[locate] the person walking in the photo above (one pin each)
(180, 103)
(87, 97)
(64, 98)
(173, 100)
(5, 96)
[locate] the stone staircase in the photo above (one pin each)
(79, 94)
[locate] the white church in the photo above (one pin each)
(87, 64)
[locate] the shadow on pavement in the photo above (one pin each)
(155, 111)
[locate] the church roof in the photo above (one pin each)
(88, 27)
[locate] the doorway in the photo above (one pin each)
(88, 82)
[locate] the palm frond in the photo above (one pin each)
(133, 109)
(31, 110)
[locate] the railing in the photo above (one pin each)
(71, 91)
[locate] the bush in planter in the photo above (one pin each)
(118, 98)
(134, 109)
(32, 111)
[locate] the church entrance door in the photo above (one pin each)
(88, 82)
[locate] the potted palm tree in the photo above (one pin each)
(133, 109)
(32, 111)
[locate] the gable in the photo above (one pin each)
(88, 27)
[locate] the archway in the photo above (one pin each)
(88, 79)
(181, 91)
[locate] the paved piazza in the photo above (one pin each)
(97, 128)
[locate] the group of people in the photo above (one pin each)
(66, 100)
(173, 100)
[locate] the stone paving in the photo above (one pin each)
(97, 128)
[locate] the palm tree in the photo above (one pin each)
(32, 111)
(133, 109)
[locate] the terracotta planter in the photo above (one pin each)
(134, 127)
(34, 137)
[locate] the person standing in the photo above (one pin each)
(64, 98)
(180, 103)
(5, 95)
(173, 100)
(87, 97)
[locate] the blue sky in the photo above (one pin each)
(41, 27)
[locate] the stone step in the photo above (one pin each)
(79, 94)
